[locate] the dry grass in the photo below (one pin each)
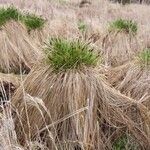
(67, 93)
(132, 78)
(91, 108)
(18, 52)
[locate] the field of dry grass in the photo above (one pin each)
(81, 81)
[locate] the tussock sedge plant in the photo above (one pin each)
(66, 101)
(31, 21)
(133, 78)
(120, 143)
(144, 57)
(7, 14)
(125, 142)
(119, 42)
(122, 25)
(17, 54)
(82, 26)
(63, 54)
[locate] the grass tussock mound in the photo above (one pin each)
(144, 57)
(136, 80)
(8, 14)
(66, 104)
(17, 54)
(121, 25)
(64, 55)
(120, 43)
(31, 21)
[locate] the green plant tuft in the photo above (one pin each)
(8, 14)
(82, 26)
(121, 25)
(144, 57)
(63, 54)
(125, 142)
(120, 144)
(33, 22)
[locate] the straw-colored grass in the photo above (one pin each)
(135, 83)
(118, 45)
(74, 108)
(22, 48)
(67, 93)
(68, 105)
(17, 51)
(119, 48)
(132, 78)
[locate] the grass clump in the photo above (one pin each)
(63, 54)
(125, 143)
(7, 14)
(82, 26)
(121, 25)
(144, 57)
(33, 22)
(120, 144)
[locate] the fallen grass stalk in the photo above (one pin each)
(64, 118)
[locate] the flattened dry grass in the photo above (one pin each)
(75, 108)
(17, 54)
(133, 78)
(67, 93)
(119, 48)
(18, 51)
(120, 43)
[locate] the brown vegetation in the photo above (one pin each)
(102, 106)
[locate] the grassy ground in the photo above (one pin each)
(74, 76)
